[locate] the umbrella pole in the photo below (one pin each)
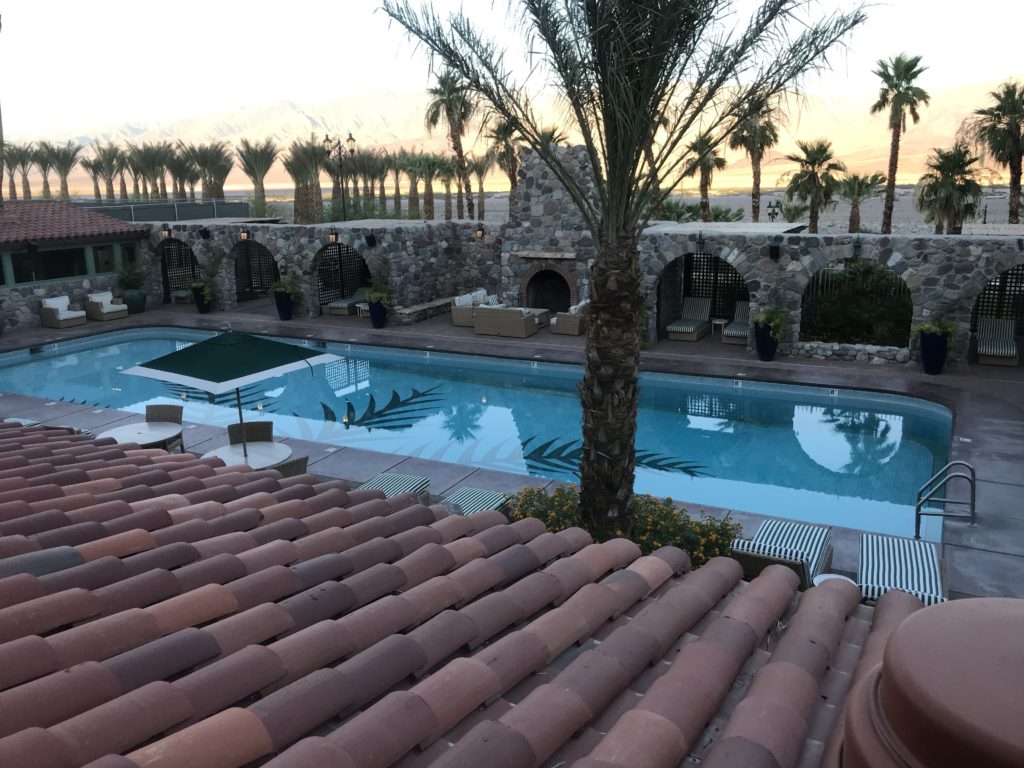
(238, 402)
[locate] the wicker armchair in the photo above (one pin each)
(254, 432)
(103, 306)
(293, 467)
(171, 413)
(59, 312)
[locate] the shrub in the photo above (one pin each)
(656, 522)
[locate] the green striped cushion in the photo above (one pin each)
(809, 543)
(996, 337)
(736, 329)
(696, 309)
(888, 562)
(392, 483)
(466, 501)
(686, 326)
(742, 312)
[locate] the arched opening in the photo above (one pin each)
(178, 268)
(255, 270)
(857, 301)
(702, 276)
(340, 272)
(548, 290)
(1002, 298)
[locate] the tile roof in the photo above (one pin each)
(164, 610)
(47, 222)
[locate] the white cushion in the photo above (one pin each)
(491, 299)
(69, 314)
(57, 302)
(113, 309)
(574, 309)
(103, 298)
(553, 321)
(526, 312)
(465, 300)
(479, 295)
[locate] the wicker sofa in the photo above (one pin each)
(514, 322)
(59, 312)
(571, 323)
(464, 306)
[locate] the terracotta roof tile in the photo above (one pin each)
(162, 658)
(56, 697)
(19, 588)
(164, 556)
(332, 564)
(229, 738)
(229, 680)
(254, 625)
(196, 607)
(272, 583)
(91, 575)
(295, 710)
(312, 648)
(379, 619)
(372, 741)
(25, 659)
(139, 591)
(104, 637)
(36, 747)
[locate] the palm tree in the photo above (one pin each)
(92, 166)
(480, 166)
(704, 160)
(949, 193)
(214, 161)
(754, 136)
(303, 163)
(396, 164)
(179, 165)
(20, 159)
(133, 164)
(815, 181)
(618, 66)
(998, 131)
(430, 167)
(411, 167)
(107, 158)
(855, 189)
(382, 165)
(43, 158)
(504, 149)
(65, 158)
(452, 102)
(256, 160)
(11, 154)
(446, 172)
(122, 169)
(553, 136)
(900, 96)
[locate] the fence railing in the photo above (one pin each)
(170, 210)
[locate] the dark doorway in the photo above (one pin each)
(178, 267)
(340, 273)
(255, 270)
(548, 290)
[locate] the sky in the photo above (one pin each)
(70, 68)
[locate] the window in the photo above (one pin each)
(127, 254)
(103, 258)
(48, 265)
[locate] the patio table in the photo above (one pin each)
(145, 433)
(262, 454)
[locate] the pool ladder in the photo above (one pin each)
(938, 483)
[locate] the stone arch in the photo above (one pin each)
(255, 269)
(1002, 297)
(178, 267)
(548, 277)
(702, 274)
(339, 271)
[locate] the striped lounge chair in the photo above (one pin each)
(997, 344)
(393, 484)
(467, 501)
(738, 330)
(694, 323)
(889, 562)
(806, 549)
(347, 306)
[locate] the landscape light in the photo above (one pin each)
(332, 235)
(165, 231)
(480, 231)
(243, 233)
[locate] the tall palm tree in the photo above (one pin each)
(303, 163)
(11, 152)
(412, 170)
(949, 193)
(383, 167)
(43, 158)
(901, 97)
(430, 167)
(855, 189)
(20, 159)
(754, 136)
(396, 165)
(998, 131)
(133, 164)
(179, 165)
(65, 158)
(504, 149)
(446, 172)
(704, 160)
(107, 157)
(122, 169)
(619, 65)
(256, 160)
(553, 136)
(454, 104)
(815, 182)
(480, 166)
(93, 167)
(215, 162)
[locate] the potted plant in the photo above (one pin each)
(934, 340)
(379, 296)
(287, 294)
(131, 281)
(769, 327)
(202, 293)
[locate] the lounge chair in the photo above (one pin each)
(889, 562)
(254, 431)
(347, 306)
(806, 549)
(393, 484)
(468, 501)
(103, 306)
(694, 324)
(738, 330)
(464, 306)
(997, 343)
(515, 322)
(571, 323)
(59, 312)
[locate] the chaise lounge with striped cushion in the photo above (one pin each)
(694, 323)
(468, 501)
(738, 330)
(393, 483)
(997, 344)
(890, 562)
(347, 306)
(805, 549)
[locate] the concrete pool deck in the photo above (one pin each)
(987, 403)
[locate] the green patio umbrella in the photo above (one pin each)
(228, 362)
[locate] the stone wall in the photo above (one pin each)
(20, 304)
(861, 353)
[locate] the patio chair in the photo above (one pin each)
(103, 306)
(514, 322)
(59, 312)
(694, 324)
(997, 343)
(254, 431)
(805, 549)
(293, 467)
(167, 413)
(571, 323)
(890, 562)
(393, 484)
(468, 501)
(464, 306)
(738, 330)
(347, 306)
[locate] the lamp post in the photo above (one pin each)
(774, 209)
(339, 151)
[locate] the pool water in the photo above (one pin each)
(840, 457)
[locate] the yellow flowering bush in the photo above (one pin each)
(655, 523)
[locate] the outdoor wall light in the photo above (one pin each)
(371, 240)
(857, 247)
(480, 231)
(243, 233)
(332, 235)
(165, 231)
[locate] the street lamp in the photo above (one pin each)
(774, 209)
(338, 151)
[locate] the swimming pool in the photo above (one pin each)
(841, 457)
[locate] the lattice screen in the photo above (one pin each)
(255, 270)
(178, 267)
(1003, 297)
(709, 277)
(340, 274)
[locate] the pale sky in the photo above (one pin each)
(70, 68)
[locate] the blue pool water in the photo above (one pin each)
(841, 457)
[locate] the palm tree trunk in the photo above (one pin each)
(46, 187)
(383, 198)
(854, 217)
(812, 223)
(939, 227)
(705, 203)
(480, 198)
(890, 181)
(135, 188)
(448, 201)
(414, 198)
(335, 197)
(299, 204)
(123, 190)
(96, 189)
(755, 192)
(609, 390)
(108, 182)
(1015, 173)
(460, 159)
(396, 204)
(355, 191)
(428, 200)
(26, 190)
(12, 185)
(191, 192)
(65, 194)
(461, 207)
(259, 194)
(163, 187)
(145, 189)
